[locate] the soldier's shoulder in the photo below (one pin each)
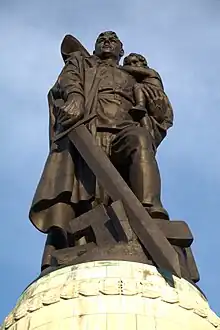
(76, 55)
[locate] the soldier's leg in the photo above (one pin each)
(57, 237)
(133, 150)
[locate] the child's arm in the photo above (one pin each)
(139, 72)
(154, 79)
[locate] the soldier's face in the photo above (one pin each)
(108, 46)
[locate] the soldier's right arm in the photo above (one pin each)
(70, 81)
(70, 85)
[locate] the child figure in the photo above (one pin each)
(148, 89)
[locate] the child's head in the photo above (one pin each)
(136, 60)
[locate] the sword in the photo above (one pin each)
(144, 227)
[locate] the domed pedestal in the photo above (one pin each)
(111, 295)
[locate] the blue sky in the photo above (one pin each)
(181, 41)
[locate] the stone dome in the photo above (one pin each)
(107, 295)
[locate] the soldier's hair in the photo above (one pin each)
(141, 58)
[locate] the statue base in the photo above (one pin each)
(110, 295)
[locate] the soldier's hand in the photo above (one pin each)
(70, 112)
(154, 93)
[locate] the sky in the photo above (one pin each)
(181, 41)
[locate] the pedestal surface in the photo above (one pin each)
(107, 295)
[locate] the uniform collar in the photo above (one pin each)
(106, 63)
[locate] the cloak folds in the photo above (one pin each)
(66, 179)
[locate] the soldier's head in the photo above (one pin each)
(135, 60)
(108, 45)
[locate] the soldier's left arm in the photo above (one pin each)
(160, 108)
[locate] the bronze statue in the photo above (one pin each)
(127, 113)
(97, 91)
